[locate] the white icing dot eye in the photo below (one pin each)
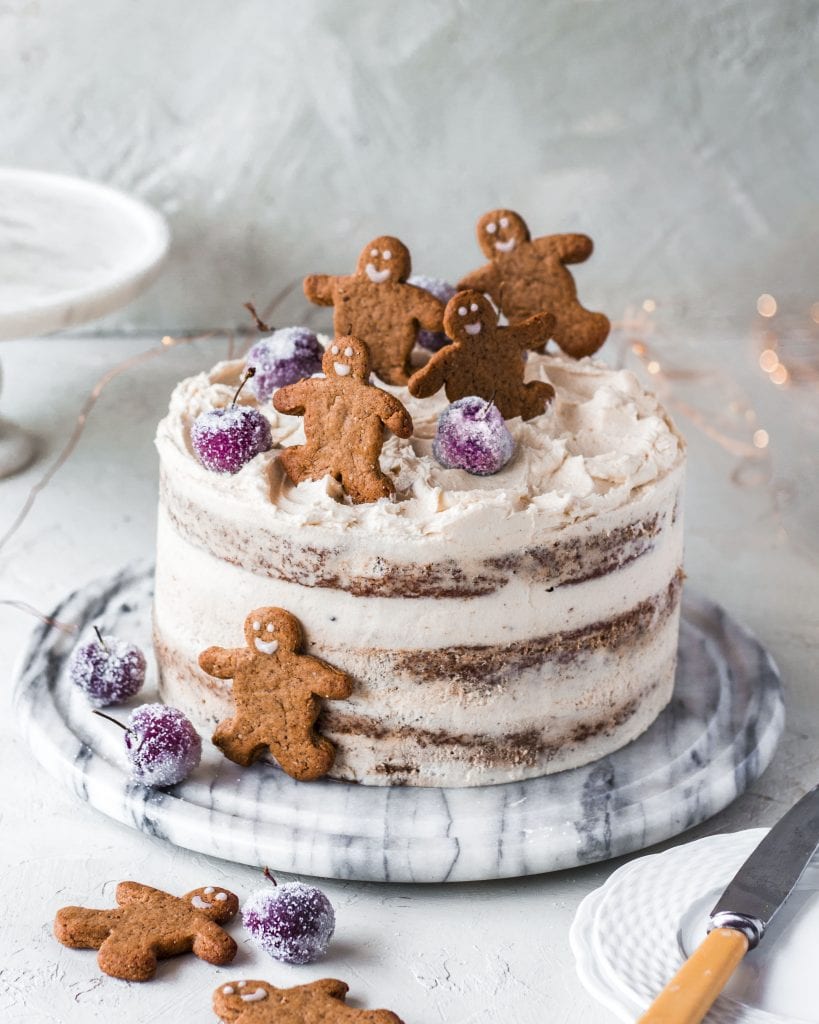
(462, 310)
(257, 625)
(228, 990)
(242, 984)
(334, 350)
(270, 627)
(373, 252)
(491, 228)
(474, 307)
(208, 890)
(220, 896)
(387, 254)
(348, 351)
(504, 222)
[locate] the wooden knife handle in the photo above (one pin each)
(689, 995)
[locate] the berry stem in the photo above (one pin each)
(260, 324)
(99, 637)
(269, 877)
(108, 718)
(485, 411)
(249, 372)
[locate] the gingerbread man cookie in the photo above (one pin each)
(344, 421)
(528, 275)
(319, 1002)
(274, 691)
(487, 360)
(377, 305)
(150, 924)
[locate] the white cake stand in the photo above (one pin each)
(70, 251)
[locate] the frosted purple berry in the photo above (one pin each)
(162, 745)
(282, 358)
(225, 440)
(472, 435)
(443, 291)
(108, 670)
(292, 922)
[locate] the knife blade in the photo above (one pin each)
(741, 915)
(768, 876)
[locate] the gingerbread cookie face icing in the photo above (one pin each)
(276, 691)
(319, 1002)
(378, 306)
(150, 924)
(528, 275)
(344, 421)
(485, 360)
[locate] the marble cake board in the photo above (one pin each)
(715, 738)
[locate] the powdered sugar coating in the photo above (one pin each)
(443, 291)
(282, 358)
(163, 747)
(225, 440)
(472, 435)
(107, 674)
(292, 922)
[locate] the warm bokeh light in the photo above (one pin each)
(761, 438)
(779, 375)
(649, 305)
(638, 348)
(769, 360)
(766, 305)
(653, 366)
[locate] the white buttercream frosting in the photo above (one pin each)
(603, 440)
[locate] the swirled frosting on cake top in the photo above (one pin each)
(602, 441)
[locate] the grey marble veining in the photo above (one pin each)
(717, 735)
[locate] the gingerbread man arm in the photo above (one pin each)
(320, 289)
(219, 662)
(213, 944)
(135, 892)
(534, 332)
(292, 399)
(427, 310)
(326, 681)
(393, 414)
(568, 248)
(431, 378)
(484, 279)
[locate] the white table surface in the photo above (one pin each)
(469, 953)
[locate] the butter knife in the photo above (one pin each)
(741, 916)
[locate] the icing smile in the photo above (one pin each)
(342, 369)
(473, 328)
(506, 246)
(266, 646)
(253, 997)
(377, 276)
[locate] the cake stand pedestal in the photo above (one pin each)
(714, 739)
(70, 251)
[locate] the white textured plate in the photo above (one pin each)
(630, 936)
(715, 737)
(70, 251)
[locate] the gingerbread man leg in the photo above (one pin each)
(536, 396)
(581, 333)
(296, 462)
(121, 957)
(307, 760)
(365, 482)
(81, 928)
(240, 739)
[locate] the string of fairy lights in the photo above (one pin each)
(787, 357)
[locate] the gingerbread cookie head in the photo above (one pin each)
(384, 259)
(232, 999)
(347, 357)
(268, 630)
(469, 314)
(501, 231)
(217, 904)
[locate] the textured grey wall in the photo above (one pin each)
(279, 137)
